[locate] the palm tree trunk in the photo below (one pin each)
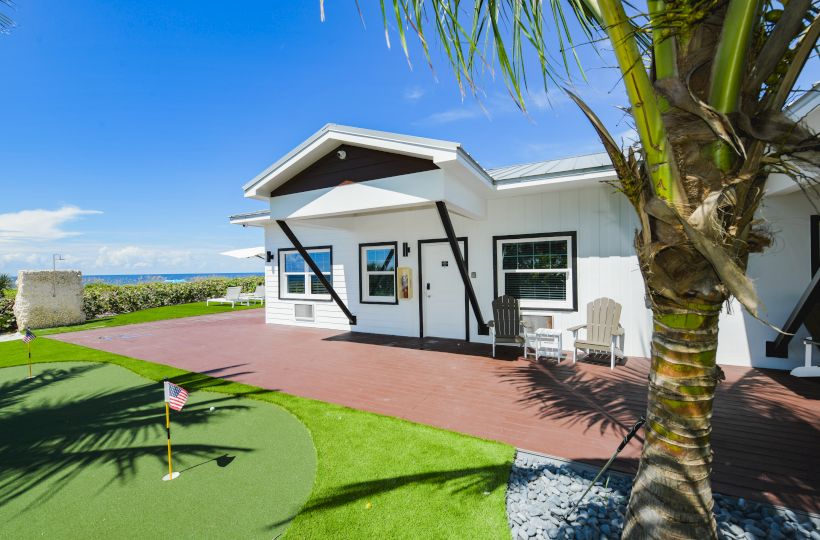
(672, 497)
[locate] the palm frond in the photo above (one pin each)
(6, 22)
(497, 33)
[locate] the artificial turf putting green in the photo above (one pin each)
(376, 476)
(148, 315)
(83, 451)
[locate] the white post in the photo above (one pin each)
(54, 258)
(807, 370)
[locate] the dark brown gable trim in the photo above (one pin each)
(359, 165)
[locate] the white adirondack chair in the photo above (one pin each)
(603, 330)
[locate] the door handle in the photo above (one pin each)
(428, 286)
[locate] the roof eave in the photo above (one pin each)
(431, 148)
(253, 219)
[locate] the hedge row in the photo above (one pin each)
(101, 299)
(7, 321)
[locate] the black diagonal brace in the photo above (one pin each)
(483, 329)
(806, 307)
(315, 269)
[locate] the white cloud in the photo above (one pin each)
(39, 225)
(452, 115)
(414, 93)
(136, 258)
(547, 99)
(31, 259)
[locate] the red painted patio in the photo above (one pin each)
(766, 423)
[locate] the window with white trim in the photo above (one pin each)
(297, 281)
(536, 270)
(378, 273)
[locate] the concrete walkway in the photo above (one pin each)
(766, 423)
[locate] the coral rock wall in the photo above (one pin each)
(46, 298)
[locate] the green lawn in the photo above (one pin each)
(148, 315)
(376, 476)
(88, 453)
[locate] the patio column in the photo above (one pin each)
(483, 329)
(315, 269)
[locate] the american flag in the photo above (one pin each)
(175, 396)
(29, 336)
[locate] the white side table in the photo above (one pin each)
(544, 342)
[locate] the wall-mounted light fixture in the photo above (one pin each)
(405, 249)
(269, 257)
(341, 154)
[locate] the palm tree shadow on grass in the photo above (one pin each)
(49, 442)
(466, 482)
(12, 392)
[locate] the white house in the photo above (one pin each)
(377, 211)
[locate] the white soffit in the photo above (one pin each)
(332, 135)
(246, 253)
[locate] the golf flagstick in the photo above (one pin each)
(171, 474)
(28, 337)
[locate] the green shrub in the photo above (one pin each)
(7, 321)
(102, 299)
(5, 282)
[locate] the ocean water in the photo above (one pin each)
(131, 279)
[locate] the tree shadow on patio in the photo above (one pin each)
(454, 346)
(763, 435)
(766, 436)
(580, 394)
(48, 441)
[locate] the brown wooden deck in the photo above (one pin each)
(766, 424)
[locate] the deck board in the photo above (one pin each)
(766, 424)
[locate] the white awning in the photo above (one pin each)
(246, 253)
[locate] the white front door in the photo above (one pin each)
(442, 292)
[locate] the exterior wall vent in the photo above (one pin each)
(303, 312)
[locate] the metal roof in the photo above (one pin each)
(552, 168)
(798, 108)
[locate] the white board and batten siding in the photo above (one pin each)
(543, 198)
(602, 219)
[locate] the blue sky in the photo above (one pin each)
(130, 127)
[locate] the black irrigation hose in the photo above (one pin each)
(621, 446)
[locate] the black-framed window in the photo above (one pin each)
(538, 269)
(297, 281)
(377, 273)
